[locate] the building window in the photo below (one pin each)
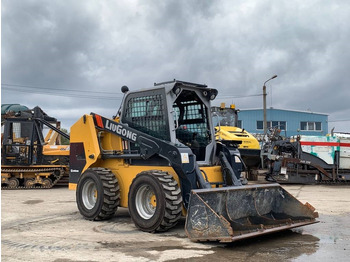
(282, 125)
(311, 126)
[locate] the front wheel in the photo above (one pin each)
(155, 201)
(97, 194)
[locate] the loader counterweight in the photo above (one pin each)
(84, 148)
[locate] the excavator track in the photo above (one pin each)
(52, 170)
(322, 182)
(333, 182)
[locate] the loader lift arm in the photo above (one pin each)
(179, 156)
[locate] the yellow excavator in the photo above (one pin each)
(28, 159)
(225, 120)
(158, 157)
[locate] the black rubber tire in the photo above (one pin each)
(105, 185)
(168, 197)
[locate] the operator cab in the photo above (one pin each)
(174, 111)
(192, 123)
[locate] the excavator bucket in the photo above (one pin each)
(234, 213)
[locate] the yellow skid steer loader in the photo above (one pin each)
(159, 158)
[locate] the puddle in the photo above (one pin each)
(282, 246)
(33, 202)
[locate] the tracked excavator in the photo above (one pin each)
(28, 159)
(159, 158)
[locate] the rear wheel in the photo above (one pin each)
(155, 201)
(98, 194)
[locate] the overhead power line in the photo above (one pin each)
(57, 92)
(66, 95)
(54, 89)
(79, 94)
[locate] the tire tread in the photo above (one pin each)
(111, 193)
(173, 199)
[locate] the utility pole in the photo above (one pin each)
(264, 102)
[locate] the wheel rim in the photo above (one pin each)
(146, 202)
(89, 194)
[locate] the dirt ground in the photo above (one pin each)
(45, 225)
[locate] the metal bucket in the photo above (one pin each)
(233, 213)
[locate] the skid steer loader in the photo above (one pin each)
(158, 157)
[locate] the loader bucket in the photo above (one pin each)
(233, 213)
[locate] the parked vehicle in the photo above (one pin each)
(28, 160)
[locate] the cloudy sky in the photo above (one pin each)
(72, 57)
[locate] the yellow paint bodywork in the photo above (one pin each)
(232, 133)
(84, 131)
(56, 150)
(126, 173)
(72, 186)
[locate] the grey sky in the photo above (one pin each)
(95, 47)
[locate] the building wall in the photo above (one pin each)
(293, 121)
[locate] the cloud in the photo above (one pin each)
(234, 46)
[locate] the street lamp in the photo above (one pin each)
(264, 102)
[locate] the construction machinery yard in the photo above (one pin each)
(163, 164)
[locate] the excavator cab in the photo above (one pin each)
(159, 156)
